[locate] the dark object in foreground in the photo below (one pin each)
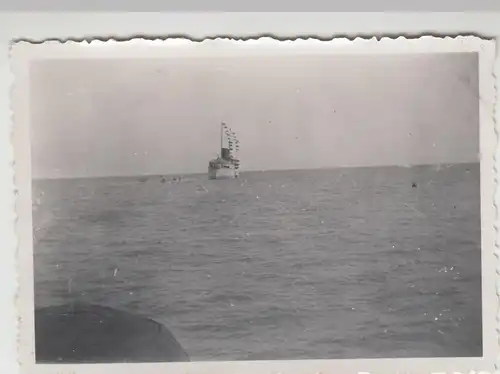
(97, 334)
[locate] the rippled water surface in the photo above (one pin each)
(344, 263)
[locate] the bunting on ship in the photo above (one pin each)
(226, 165)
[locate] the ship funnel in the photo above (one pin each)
(225, 153)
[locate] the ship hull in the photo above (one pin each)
(222, 173)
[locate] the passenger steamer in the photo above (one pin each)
(226, 165)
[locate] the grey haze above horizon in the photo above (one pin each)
(162, 116)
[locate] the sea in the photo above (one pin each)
(378, 262)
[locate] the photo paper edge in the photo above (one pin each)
(22, 52)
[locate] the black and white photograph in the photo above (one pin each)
(258, 206)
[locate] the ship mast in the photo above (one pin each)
(221, 137)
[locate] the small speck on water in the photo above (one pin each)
(114, 272)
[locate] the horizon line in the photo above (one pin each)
(248, 171)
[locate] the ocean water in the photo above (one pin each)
(342, 263)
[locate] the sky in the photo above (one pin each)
(109, 117)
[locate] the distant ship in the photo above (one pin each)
(226, 165)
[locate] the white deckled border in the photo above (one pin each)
(23, 52)
(496, 198)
